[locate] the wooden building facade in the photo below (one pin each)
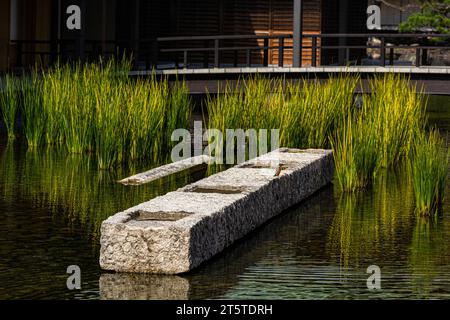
(135, 24)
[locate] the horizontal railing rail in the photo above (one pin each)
(420, 50)
(217, 49)
(165, 52)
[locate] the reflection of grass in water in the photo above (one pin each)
(428, 252)
(438, 110)
(7, 172)
(367, 224)
(340, 232)
(72, 185)
(216, 168)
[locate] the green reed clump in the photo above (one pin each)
(9, 104)
(429, 171)
(78, 109)
(99, 108)
(149, 100)
(355, 153)
(382, 132)
(53, 102)
(33, 115)
(109, 125)
(180, 110)
(397, 110)
(315, 110)
(254, 103)
(305, 116)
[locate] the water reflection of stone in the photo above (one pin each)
(114, 286)
(285, 235)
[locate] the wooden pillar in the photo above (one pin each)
(104, 26)
(42, 30)
(343, 28)
(136, 35)
(297, 37)
(82, 35)
(4, 33)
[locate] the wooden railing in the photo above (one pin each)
(217, 48)
(317, 43)
(174, 49)
(420, 50)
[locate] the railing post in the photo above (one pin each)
(383, 52)
(216, 53)
(280, 51)
(266, 52)
(155, 54)
(314, 51)
(147, 62)
(185, 59)
(418, 57)
(19, 54)
(82, 36)
(206, 55)
(236, 57)
(248, 57)
(298, 33)
(53, 52)
(424, 57)
(176, 60)
(391, 56)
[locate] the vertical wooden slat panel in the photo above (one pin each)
(282, 23)
(269, 17)
(4, 33)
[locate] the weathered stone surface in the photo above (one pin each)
(165, 171)
(216, 212)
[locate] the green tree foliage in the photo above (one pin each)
(434, 15)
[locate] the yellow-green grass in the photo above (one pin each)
(305, 115)
(429, 170)
(397, 110)
(33, 116)
(355, 152)
(377, 134)
(98, 108)
(9, 104)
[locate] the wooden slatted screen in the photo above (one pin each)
(271, 17)
(282, 23)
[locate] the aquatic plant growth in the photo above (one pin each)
(9, 104)
(98, 108)
(33, 117)
(305, 115)
(397, 110)
(355, 152)
(377, 132)
(429, 171)
(380, 134)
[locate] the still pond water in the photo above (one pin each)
(52, 205)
